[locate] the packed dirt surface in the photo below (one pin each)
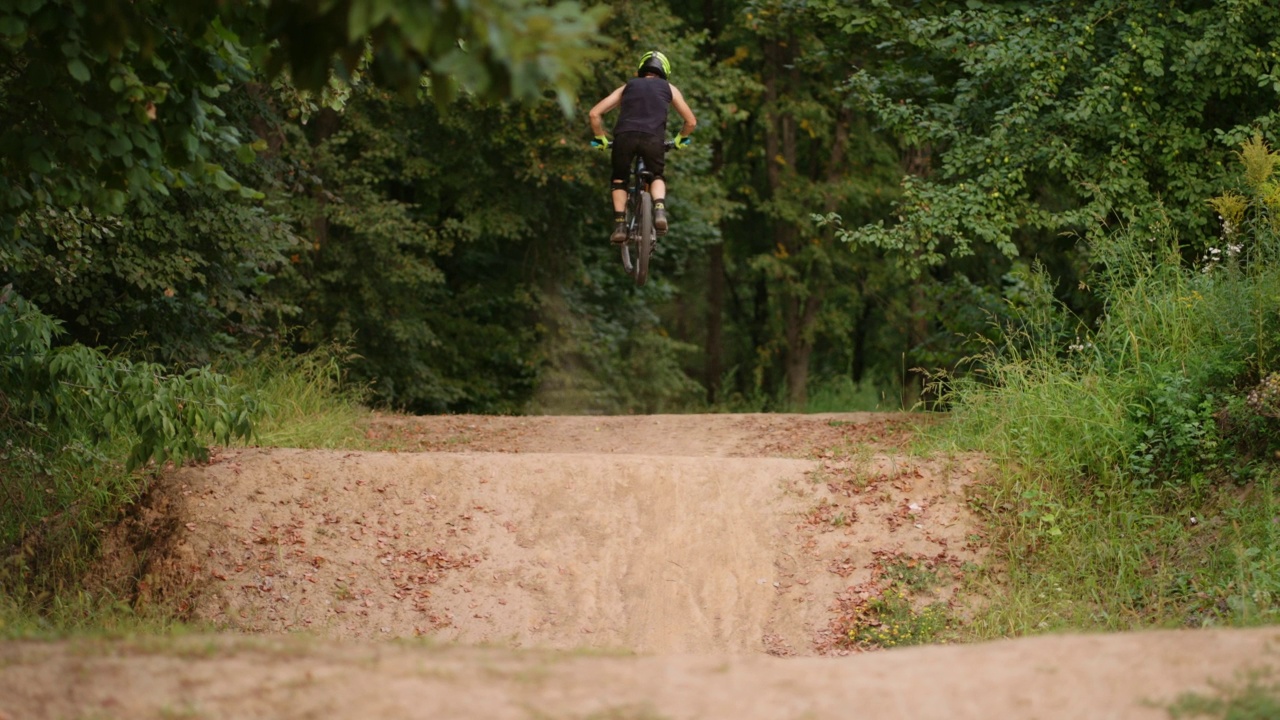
(721, 566)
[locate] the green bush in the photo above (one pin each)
(75, 427)
(1140, 452)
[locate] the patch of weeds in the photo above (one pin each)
(892, 609)
(1256, 697)
(818, 477)
(917, 575)
(843, 480)
(891, 620)
(829, 514)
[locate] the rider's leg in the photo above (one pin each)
(620, 172)
(658, 189)
(618, 193)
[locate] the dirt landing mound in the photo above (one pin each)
(554, 551)
(650, 553)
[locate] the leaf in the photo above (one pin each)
(245, 154)
(12, 25)
(78, 70)
(119, 145)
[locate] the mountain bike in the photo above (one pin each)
(641, 235)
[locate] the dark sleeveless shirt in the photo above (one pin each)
(644, 107)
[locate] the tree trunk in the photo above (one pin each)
(325, 125)
(800, 315)
(860, 332)
(715, 321)
(917, 162)
(917, 332)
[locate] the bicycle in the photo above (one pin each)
(641, 234)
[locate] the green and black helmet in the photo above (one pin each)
(656, 63)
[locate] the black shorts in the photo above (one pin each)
(629, 144)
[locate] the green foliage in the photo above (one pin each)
(890, 620)
(420, 250)
(495, 49)
(68, 417)
(1141, 452)
(791, 142)
(181, 280)
(1255, 696)
(841, 394)
(462, 253)
(306, 401)
(116, 101)
(93, 398)
(1125, 106)
(96, 115)
(612, 362)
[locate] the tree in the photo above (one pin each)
(792, 143)
(1125, 110)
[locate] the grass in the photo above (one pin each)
(1254, 697)
(1138, 470)
(84, 614)
(307, 399)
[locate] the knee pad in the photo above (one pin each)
(616, 184)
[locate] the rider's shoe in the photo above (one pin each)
(660, 220)
(619, 235)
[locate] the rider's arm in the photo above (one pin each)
(682, 107)
(597, 113)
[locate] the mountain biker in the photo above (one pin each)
(641, 129)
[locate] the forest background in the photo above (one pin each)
(450, 242)
(1056, 218)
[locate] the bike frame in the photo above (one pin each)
(639, 220)
(640, 180)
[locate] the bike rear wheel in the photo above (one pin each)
(644, 238)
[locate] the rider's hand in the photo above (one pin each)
(601, 142)
(681, 142)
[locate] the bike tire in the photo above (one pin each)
(645, 239)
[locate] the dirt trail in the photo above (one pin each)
(646, 567)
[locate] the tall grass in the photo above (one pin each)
(1139, 456)
(307, 399)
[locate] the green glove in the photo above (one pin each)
(601, 141)
(681, 141)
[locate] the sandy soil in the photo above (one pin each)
(582, 567)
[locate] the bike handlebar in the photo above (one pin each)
(668, 145)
